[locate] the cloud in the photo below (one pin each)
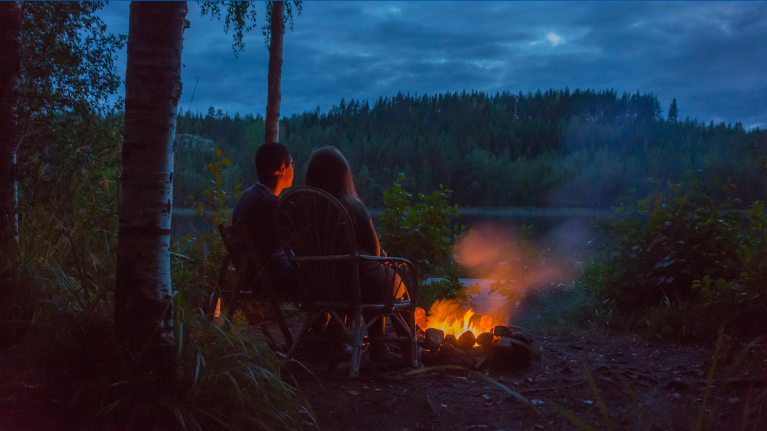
(705, 55)
(554, 38)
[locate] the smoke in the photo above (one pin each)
(513, 265)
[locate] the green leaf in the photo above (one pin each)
(225, 161)
(218, 152)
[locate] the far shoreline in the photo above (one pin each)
(487, 212)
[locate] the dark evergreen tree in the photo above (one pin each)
(673, 111)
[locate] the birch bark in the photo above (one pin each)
(274, 95)
(143, 306)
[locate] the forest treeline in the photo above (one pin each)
(557, 148)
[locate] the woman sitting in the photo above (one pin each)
(329, 171)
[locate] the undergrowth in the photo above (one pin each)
(681, 264)
(67, 367)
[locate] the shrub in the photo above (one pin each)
(678, 257)
(422, 232)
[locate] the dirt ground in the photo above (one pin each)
(640, 384)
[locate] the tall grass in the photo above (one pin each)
(58, 337)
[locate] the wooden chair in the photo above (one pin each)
(318, 236)
(241, 280)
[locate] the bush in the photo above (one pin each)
(422, 233)
(678, 257)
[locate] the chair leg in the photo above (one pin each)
(304, 330)
(282, 324)
(354, 368)
(409, 354)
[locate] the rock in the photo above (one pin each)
(485, 339)
(420, 317)
(459, 357)
(433, 339)
(466, 341)
(428, 359)
(450, 339)
(420, 340)
(478, 351)
(468, 361)
(481, 362)
(446, 352)
(510, 354)
(502, 331)
(523, 337)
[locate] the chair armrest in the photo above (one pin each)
(331, 258)
(412, 287)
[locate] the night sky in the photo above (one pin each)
(710, 56)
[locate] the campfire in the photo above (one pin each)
(449, 335)
(446, 316)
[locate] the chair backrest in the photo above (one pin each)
(318, 236)
(241, 250)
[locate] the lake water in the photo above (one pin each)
(545, 221)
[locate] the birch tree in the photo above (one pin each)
(239, 13)
(274, 95)
(143, 311)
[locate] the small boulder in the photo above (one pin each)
(478, 351)
(428, 359)
(420, 340)
(502, 331)
(510, 354)
(433, 339)
(466, 341)
(481, 362)
(523, 337)
(485, 339)
(446, 352)
(450, 339)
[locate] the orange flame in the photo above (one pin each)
(446, 316)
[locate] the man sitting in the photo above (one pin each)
(257, 209)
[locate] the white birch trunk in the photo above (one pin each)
(274, 95)
(143, 306)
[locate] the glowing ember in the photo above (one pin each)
(446, 316)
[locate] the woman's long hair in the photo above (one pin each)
(329, 171)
